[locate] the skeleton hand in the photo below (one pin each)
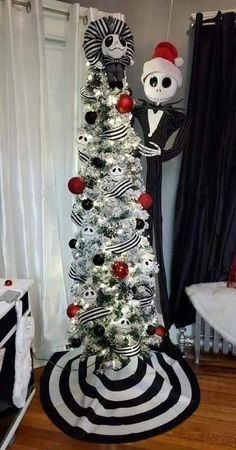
(148, 151)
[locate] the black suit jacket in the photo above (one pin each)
(170, 122)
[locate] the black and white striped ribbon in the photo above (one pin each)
(86, 95)
(77, 219)
(83, 156)
(131, 350)
(75, 276)
(93, 314)
(145, 302)
(115, 134)
(119, 189)
(145, 299)
(126, 245)
(148, 151)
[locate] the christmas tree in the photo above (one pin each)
(112, 313)
(118, 385)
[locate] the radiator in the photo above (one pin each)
(204, 338)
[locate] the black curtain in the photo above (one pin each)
(205, 214)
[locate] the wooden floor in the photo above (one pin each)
(211, 427)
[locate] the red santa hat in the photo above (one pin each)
(165, 59)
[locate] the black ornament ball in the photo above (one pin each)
(151, 330)
(90, 117)
(99, 330)
(98, 162)
(87, 204)
(98, 260)
(136, 153)
(72, 243)
(75, 342)
(140, 224)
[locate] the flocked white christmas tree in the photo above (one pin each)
(114, 388)
(112, 311)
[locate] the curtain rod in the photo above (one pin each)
(27, 5)
(207, 15)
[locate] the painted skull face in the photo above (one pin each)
(159, 87)
(117, 173)
(90, 295)
(88, 231)
(114, 45)
(83, 138)
(148, 264)
(123, 325)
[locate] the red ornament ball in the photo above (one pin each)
(125, 104)
(145, 200)
(76, 185)
(120, 270)
(8, 283)
(160, 331)
(72, 310)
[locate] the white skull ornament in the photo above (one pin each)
(114, 45)
(159, 87)
(148, 264)
(117, 173)
(90, 295)
(123, 325)
(83, 138)
(88, 231)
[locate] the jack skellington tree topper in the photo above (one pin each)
(159, 120)
(108, 43)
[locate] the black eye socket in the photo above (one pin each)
(92, 292)
(147, 263)
(81, 137)
(153, 81)
(166, 82)
(122, 322)
(91, 230)
(86, 229)
(122, 41)
(85, 139)
(86, 294)
(119, 170)
(108, 41)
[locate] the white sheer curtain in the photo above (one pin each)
(29, 230)
(37, 160)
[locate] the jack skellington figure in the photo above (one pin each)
(108, 43)
(159, 120)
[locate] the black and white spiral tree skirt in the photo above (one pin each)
(143, 399)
